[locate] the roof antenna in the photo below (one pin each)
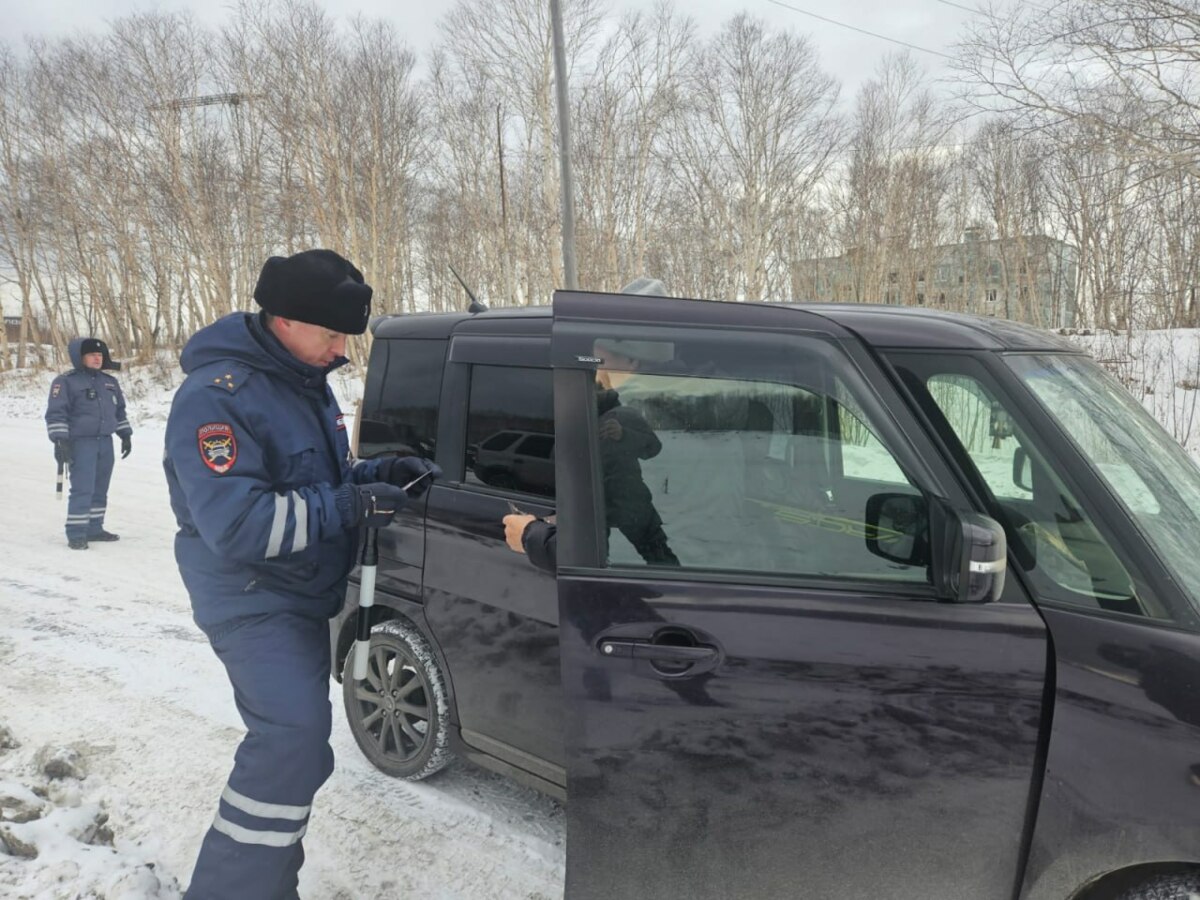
(475, 306)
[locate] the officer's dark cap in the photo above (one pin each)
(318, 287)
(92, 345)
(95, 345)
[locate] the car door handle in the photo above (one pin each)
(657, 652)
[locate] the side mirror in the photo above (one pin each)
(897, 528)
(1022, 470)
(975, 557)
(966, 552)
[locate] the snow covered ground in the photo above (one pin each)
(107, 683)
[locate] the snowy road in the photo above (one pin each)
(98, 650)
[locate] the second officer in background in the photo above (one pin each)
(86, 407)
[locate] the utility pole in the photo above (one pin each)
(567, 186)
(504, 261)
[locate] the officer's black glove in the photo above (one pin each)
(62, 451)
(400, 470)
(375, 504)
(126, 446)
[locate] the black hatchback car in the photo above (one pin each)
(881, 603)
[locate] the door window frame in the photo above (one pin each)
(581, 546)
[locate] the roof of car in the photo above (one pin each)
(915, 326)
(507, 320)
(878, 325)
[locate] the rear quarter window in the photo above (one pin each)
(510, 429)
(402, 416)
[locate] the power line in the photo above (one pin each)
(977, 11)
(882, 37)
(1019, 4)
(959, 6)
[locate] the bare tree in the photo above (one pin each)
(621, 121)
(756, 138)
(21, 215)
(1007, 170)
(505, 47)
(1088, 62)
(145, 172)
(892, 200)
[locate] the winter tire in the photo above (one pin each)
(1175, 886)
(399, 714)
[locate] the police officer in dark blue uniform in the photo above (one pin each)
(269, 505)
(86, 406)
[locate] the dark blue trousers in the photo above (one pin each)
(278, 664)
(91, 472)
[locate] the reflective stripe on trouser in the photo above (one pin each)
(91, 472)
(279, 667)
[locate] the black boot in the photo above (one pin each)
(77, 543)
(104, 536)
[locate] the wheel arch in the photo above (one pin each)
(1113, 885)
(389, 607)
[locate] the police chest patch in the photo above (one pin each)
(218, 447)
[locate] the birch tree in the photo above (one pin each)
(1087, 63)
(753, 144)
(892, 201)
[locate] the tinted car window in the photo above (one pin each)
(510, 429)
(739, 473)
(404, 416)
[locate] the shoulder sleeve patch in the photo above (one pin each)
(56, 388)
(218, 446)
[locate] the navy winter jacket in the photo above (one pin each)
(258, 466)
(85, 402)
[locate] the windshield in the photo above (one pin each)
(1148, 471)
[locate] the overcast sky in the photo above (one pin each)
(850, 56)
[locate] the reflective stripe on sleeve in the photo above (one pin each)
(253, 836)
(264, 810)
(275, 541)
(300, 537)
